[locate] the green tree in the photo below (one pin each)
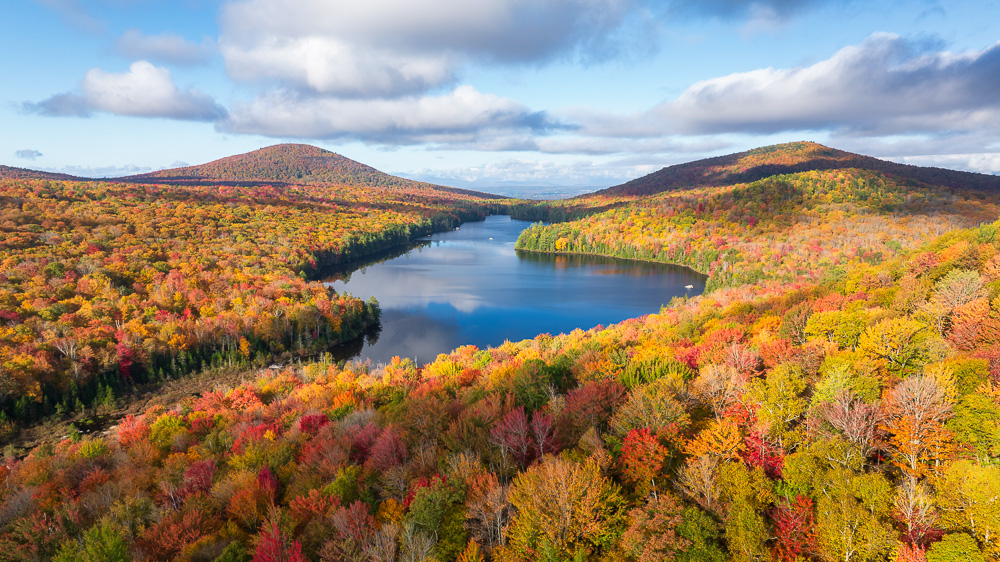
(969, 498)
(698, 528)
(747, 493)
(976, 423)
(438, 512)
(955, 547)
(853, 517)
(837, 326)
(781, 402)
(104, 542)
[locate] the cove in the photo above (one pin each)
(470, 286)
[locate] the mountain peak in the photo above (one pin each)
(281, 163)
(786, 158)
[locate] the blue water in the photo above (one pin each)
(470, 286)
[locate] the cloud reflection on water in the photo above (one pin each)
(464, 288)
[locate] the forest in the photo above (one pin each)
(788, 228)
(107, 285)
(834, 396)
(852, 420)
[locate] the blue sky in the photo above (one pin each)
(586, 93)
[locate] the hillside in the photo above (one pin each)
(105, 285)
(787, 227)
(759, 163)
(290, 164)
(13, 173)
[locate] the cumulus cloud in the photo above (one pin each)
(602, 124)
(147, 91)
(60, 105)
(458, 116)
(398, 47)
(885, 85)
(977, 151)
(28, 154)
(332, 66)
(602, 145)
(165, 47)
(984, 163)
(918, 145)
(144, 91)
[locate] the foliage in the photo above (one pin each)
(105, 285)
(566, 505)
(792, 213)
(955, 547)
(100, 543)
(840, 417)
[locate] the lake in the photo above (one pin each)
(470, 286)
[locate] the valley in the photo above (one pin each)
(833, 394)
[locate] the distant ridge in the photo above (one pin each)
(759, 163)
(11, 172)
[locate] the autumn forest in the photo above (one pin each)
(833, 396)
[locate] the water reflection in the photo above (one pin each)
(470, 286)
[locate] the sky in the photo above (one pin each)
(562, 94)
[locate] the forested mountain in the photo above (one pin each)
(759, 163)
(13, 173)
(784, 228)
(290, 164)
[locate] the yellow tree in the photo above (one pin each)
(563, 506)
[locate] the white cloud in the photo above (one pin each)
(885, 85)
(398, 47)
(333, 66)
(401, 47)
(144, 91)
(888, 97)
(166, 47)
(659, 145)
(458, 116)
(985, 163)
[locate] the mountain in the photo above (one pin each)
(783, 214)
(288, 164)
(285, 163)
(11, 172)
(759, 163)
